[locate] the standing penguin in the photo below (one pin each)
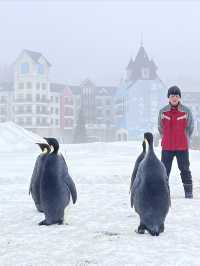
(150, 193)
(56, 186)
(137, 163)
(34, 188)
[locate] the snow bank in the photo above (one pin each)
(16, 138)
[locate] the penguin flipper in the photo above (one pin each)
(72, 188)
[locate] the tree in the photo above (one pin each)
(80, 129)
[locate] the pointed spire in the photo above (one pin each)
(141, 41)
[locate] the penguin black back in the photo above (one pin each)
(150, 192)
(56, 186)
(137, 163)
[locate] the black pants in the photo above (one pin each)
(183, 164)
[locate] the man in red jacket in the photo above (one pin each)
(176, 125)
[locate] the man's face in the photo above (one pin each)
(174, 99)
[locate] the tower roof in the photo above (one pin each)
(130, 64)
(36, 56)
(141, 57)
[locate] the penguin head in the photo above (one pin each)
(44, 147)
(54, 143)
(148, 136)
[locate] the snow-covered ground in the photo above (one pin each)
(100, 229)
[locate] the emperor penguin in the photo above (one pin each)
(37, 174)
(137, 163)
(150, 193)
(57, 187)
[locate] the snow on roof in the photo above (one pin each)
(16, 138)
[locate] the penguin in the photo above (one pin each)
(150, 194)
(34, 188)
(57, 187)
(137, 163)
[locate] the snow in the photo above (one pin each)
(100, 227)
(16, 138)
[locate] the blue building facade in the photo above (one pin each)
(140, 96)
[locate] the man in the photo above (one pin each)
(176, 125)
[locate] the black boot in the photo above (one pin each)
(188, 191)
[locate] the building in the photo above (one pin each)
(97, 104)
(33, 102)
(139, 98)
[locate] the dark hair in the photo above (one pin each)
(174, 90)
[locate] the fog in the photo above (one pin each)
(96, 39)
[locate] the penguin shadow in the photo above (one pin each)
(51, 186)
(110, 235)
(86, 262)
(149, 190)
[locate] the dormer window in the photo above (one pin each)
(40, 69)
(24, 68)
(145, 73)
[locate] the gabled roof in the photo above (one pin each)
(141, 57)
(36, 56)
(87, 82)
(106, 90)
(130, 64)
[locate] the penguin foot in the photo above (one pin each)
(153, 233)
(59, 222)
(44, 222)
(162, 228)
(141, 229)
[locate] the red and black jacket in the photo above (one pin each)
(175, 125)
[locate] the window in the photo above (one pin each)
(56, 122)
(145, 73)
(28, 85)
(40, 69)
(107, 102)
(66, 100)
(66, 122)
(56, 111)
(29, 97)
(24, 68)
(56, 99)
(37, 85)
(29, 120)
(107, 112)
(44, 86)
(99, 102)
(29, 109)
(37, 97)
(21, 85)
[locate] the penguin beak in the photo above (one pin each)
(44, 149)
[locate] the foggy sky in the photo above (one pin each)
(96, 39)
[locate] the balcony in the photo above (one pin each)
(45, 112)
(42, 101)
(21, 112)
(23, 100)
